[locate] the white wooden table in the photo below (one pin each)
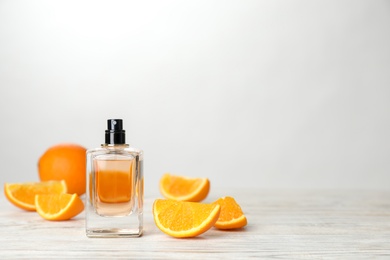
(281, 224)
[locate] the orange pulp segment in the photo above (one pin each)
(58, 206)
(231, 214)
(22, 195)
(184, 188)
(184, 219)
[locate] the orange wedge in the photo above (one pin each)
(58, 206)
(184, 188)
(22, 195)
(231, 214)
(184, 219)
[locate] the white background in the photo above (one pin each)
(267, 94)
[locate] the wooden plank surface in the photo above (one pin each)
(281, 224)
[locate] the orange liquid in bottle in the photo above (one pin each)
(114, 192)
(114, 186)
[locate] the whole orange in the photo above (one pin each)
(65, 162)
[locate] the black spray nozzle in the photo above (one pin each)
(115, 133)
(114, 124)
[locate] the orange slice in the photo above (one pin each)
(184, 219)
(58, 206)
(184, 188)
(231, 214)
(22, 195)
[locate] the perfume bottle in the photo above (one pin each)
(114, 197)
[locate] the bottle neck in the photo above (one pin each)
(115, 146)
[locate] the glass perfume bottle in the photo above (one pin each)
(114, 201)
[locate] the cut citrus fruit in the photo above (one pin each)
(184, 188)
(58, 206)
(22, 195)
(231, 214)
(184, 219)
